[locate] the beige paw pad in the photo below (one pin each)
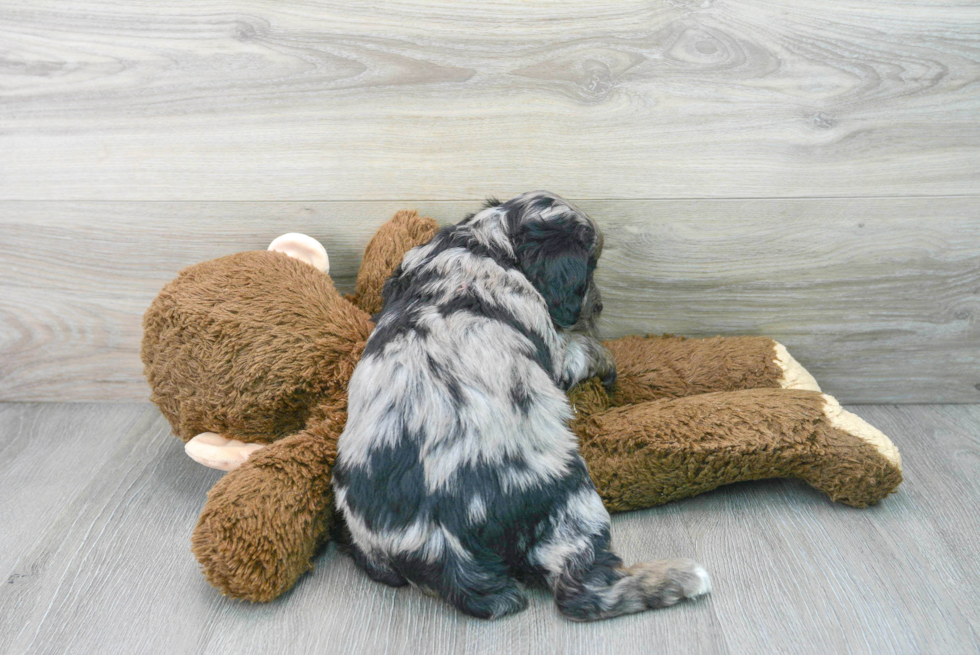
(217, 452)
(854, 425)
(794, 375)
(304, 248)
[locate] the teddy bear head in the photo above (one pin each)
(250, 345)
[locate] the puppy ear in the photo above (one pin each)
(400, 281)
(393, 289)
(555, 259)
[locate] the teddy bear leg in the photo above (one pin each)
(655, 452)
(263, 522)
(218, 452)
(651, 368)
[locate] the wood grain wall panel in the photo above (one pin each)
(879, 298)
(337, 100)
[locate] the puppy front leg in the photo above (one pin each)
(586, 357)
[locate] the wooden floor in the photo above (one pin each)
(97, 502)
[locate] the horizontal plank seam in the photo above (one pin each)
(453, 200)
(844, 403)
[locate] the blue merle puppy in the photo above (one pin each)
(457, 471)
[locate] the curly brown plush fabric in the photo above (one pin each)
(260, 347)
(656, 367)
(263, 522)
(655, 452)
(249, 345)
(384, 253)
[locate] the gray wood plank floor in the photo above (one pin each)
(97, 503)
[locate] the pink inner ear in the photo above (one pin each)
(217, 452)
(304, 248)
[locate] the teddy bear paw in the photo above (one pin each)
(218, 452)
(794, 375)
(854, 425)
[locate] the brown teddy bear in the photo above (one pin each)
(248, 356)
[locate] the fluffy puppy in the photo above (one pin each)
(456, 470)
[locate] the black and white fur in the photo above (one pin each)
(457, 471)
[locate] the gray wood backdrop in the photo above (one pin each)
(806, 170)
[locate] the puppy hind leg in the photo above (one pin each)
(480, 586)
(603, 589)
(378, 571)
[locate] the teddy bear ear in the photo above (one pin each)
(303, 248)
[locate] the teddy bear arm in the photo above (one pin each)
(384, 253)
(263, 523)
(652, 367)
(659, 451)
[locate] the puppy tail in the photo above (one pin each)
(606, 591)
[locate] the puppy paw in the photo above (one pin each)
(609, 379)
(493, 605)
(607, 368)
(511, 604)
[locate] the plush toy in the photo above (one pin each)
(248, 357)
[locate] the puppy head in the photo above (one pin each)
(556, 247)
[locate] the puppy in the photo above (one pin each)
(457, 471)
